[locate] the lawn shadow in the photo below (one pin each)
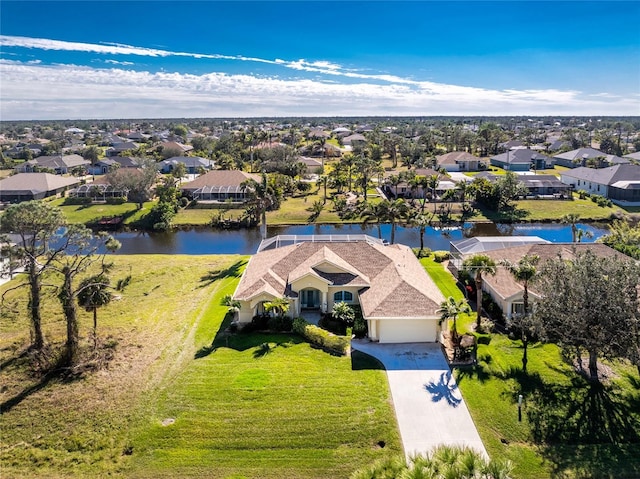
(228, 338)
(233, 271)
(362, 361)
(474, 372)
(588, 415)
(444, 389)
(266, 348)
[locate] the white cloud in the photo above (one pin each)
(71, 91)
(116, 62)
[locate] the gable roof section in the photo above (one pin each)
(605, 176)
(35, 183)
(220, 178)
(395, 283)
(523, 155)
(504, 284)
(456, 156)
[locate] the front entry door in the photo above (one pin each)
(310, 298)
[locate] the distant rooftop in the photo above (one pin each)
(481, 244)
(286, 240)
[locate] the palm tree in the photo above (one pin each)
(376, 213)
(432, 182)
(396, 211)
(524, 271)
(451, 462)
(478, 265)
(572, 219)
(262, 197)
(93, 293)
(421, 221)
(280, 306)
(394, 180)
(233, 305)
(450, 309)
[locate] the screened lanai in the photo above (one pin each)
(220, 193)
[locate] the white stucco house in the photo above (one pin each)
(399, 300)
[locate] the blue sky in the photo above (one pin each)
(171, 59)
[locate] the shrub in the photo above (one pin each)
(360, 329)
(343, 313)
(426, 252)
(76, 200)
(117, 200)
(280, 323)
(440, 256)
(184, 202)
(320, 337)
(582, 194)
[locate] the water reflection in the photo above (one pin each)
(246, 241)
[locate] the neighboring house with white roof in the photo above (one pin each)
(192, 163)
(620, 183)
(399, 300)
(522, 160)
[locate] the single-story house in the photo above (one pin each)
(176, 146)
(219, 186)
(105, 165)
(398, 299)
(461, 161)
(546, 186)
(522, 160)
(579, 157)
(354, 140)
(118, 148)
(61, 164)
(192, 163)
(467, 247)
(34, 186)
(508, 293)
(405, 190)
(620, 183)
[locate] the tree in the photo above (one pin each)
(572, 219)
(366, 168)
(93, 293)
(591, 303)
(478, 265)
(35, 223)
(343, 313)
(375, 213)
(233, 305)
(179, 172)
(92, 153)
(526, 326)
(421, 221)
(451, 309)
(137, 181)
(279, 306)
(79, 249)
(623, 237)
(450, 462)
(396, 211)
(507, 189)
(262, 197)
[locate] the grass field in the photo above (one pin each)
(250, 406)
(80, 214)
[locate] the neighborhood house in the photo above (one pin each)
(398, 299)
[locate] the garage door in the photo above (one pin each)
(407, 330)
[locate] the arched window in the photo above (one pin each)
(345, 296)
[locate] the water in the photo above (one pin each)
(246, 241)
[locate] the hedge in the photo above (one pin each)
(320, 337)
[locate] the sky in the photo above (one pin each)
(207, 59)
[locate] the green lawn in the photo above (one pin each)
(255, 406)
(564, 417)
(77, 214)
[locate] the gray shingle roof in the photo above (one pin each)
(35, 183)
(605, 176)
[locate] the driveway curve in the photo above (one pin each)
(429, 407)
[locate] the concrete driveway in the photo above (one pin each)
(429, 407)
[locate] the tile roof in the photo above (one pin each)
(452, 157)
(504, 284)
(394, 282)
(220, 178)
